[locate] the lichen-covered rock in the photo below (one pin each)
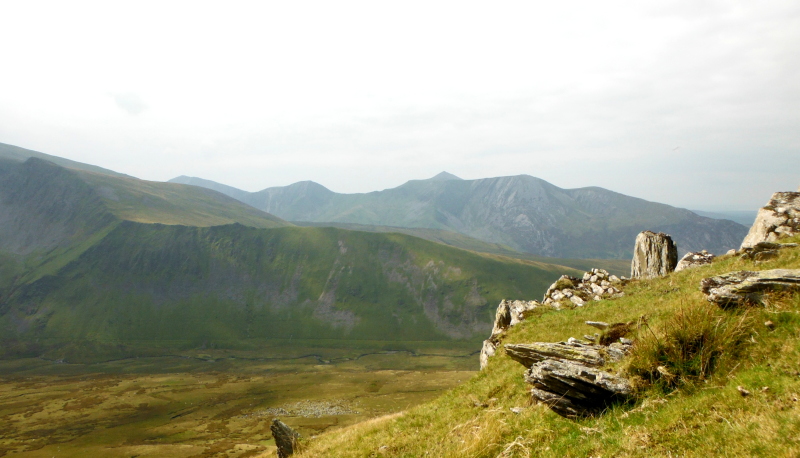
(780, 217)
(744, 286)
(285, 438)
(509, 313)
(694, 259)
(532, 353)
(574, 390)
(596, 284)
(764, 251)
(654, 255)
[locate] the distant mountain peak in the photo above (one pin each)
(444, 176)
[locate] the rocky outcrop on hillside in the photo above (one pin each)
(508, 314)
(779, 218)
(744, 286)
(595, 285)
(568, 376)
(654, 255)
(695, 259)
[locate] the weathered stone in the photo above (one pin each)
(694, 259)
(487, 351)
(740, 287)
(531, 353)
(763, 251)
(509, 313)
(576, 300)
(601, 325)
(780, 217)
(572, 389)
(654, 255)
(285, 438)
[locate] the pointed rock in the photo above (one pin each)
(285, 438)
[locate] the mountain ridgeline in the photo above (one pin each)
(521, 212)
(92, 261)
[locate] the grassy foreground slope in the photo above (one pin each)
(692, 414)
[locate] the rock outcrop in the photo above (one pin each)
(698, 258)
(780, 217)
(285, 438)
(654, 255)
(763, 251)
(596, 284)
(744, 286)
(567, 376)
(508, 314)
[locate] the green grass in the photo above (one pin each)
(703, 415)
(149, 286)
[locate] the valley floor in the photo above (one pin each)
(185, 407)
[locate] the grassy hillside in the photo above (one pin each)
(615, 266)
(690, 414)
(169, 286)
(143, 201)
(17, 154)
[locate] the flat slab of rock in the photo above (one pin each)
(780, 217)
(574, 390)
(654, 255)
(285, 438)
(694, 259)
(744, 286)
(532, 353)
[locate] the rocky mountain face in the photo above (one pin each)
(525, 213)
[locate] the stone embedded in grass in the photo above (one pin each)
(654, 255)
(695, 259)
(735, 288)
(575, 390)
(285, 438)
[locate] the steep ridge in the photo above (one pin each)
(525, 213)
(17, 154)
(152, 285)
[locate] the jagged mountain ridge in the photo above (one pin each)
(523, 212)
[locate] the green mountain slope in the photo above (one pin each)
(17, 154)
(151, 285)
(615, 266)
(522, 212)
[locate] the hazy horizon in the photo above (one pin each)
(692, 104)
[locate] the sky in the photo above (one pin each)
(691, 103)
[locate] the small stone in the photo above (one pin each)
(597, 298)
(601, 325)
(731, 252)
(625, 341)
(517, 410)
(743, 391)
(577, 301)
(769, 324)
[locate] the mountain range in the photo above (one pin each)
(521, 212)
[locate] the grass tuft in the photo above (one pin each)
(690, 345)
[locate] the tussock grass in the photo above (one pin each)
(698, 412)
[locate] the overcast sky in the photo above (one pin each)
(691, 103)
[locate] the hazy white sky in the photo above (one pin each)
(690, 103)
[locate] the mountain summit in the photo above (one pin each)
(444, 176)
